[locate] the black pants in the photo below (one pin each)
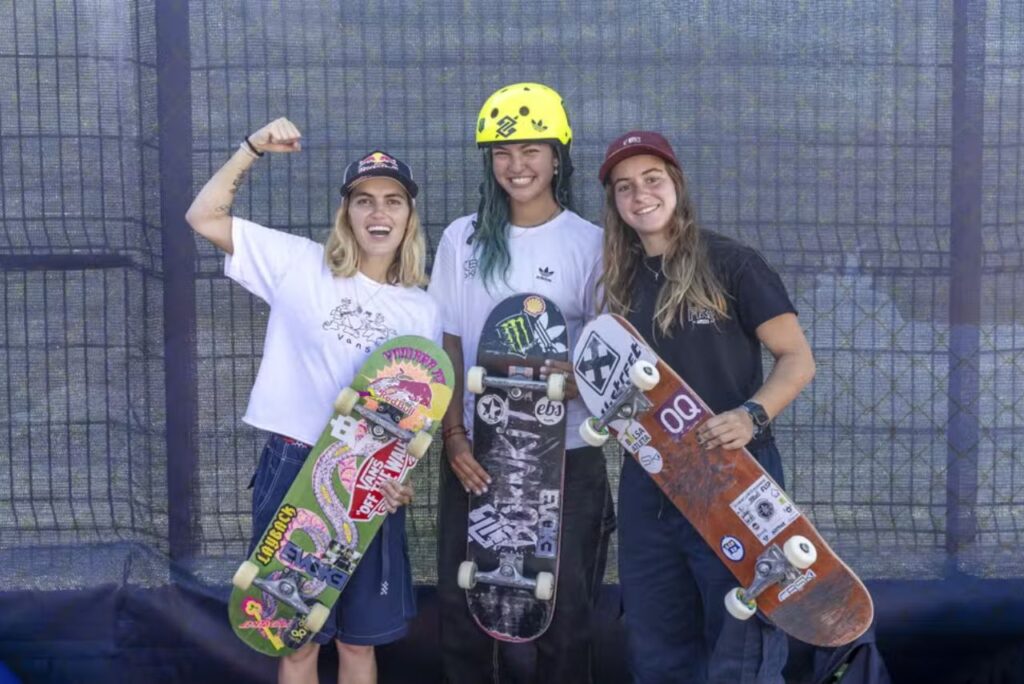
(562, 653)
(673, 586)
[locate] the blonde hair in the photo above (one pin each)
(690, 279)
(408, 268)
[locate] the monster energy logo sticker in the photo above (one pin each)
(517, 334)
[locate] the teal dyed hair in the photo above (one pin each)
(490, 230)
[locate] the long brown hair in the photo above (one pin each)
(408, 268)
(690, 279)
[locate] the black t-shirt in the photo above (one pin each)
(719, 358)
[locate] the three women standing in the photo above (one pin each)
(705, 303)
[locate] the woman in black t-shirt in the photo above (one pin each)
(706, 304)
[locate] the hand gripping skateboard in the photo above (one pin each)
(784, 566)
(514, 528)
(382, 425)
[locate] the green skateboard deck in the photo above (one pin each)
(382, 425)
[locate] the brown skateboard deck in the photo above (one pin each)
(785, 568)
(514, 528)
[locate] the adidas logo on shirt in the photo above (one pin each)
(545, 274)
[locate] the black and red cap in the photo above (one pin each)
(378, 164)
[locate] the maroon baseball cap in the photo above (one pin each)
(633, 143)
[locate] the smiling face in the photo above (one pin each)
(525, 171)
(645, 198)
(378, 211)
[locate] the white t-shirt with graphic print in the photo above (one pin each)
(321, 328)
(560, 259)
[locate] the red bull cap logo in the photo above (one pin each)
(377, 160)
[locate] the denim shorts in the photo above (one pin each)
(378, 601)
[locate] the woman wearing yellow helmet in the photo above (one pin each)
(524, 237)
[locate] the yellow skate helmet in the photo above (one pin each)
(523, 112)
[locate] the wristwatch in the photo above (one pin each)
(758, 415)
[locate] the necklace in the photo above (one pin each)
(359, 286)
(556, 212)
(655, 273)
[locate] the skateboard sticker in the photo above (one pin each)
(547, 528)
(388, 463)
(313, 566)
(796, 585)
(650, 459)
(680, 414)
(524, 371)
(633, 436)
(492, 409)
(265, 625)
(522, 332)
(408, 388)
(273, 538)
(597, 363)
(765, 509)
(511, 527)
(548, 412)
(339, 460)
(732, 548)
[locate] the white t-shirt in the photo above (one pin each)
(321, 328)
(560, 260)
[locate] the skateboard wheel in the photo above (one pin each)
(245, 574)
(644, 375)
(738, 606)
(800, 552)
(544, 590)
(467, 575)
(316, 617)
(346, 401)
(419, 444)
(556, 387)
(475, 379)
(591, 434)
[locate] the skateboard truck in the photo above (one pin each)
(627, 404)
(509, 573)
(417, 443)
(284, 589)
(774, 566)
(554, 387)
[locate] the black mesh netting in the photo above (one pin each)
(873, 153)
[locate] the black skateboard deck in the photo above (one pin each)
(519, 438)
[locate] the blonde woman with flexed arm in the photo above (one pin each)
(331, 305)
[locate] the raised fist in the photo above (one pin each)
(280, 135)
